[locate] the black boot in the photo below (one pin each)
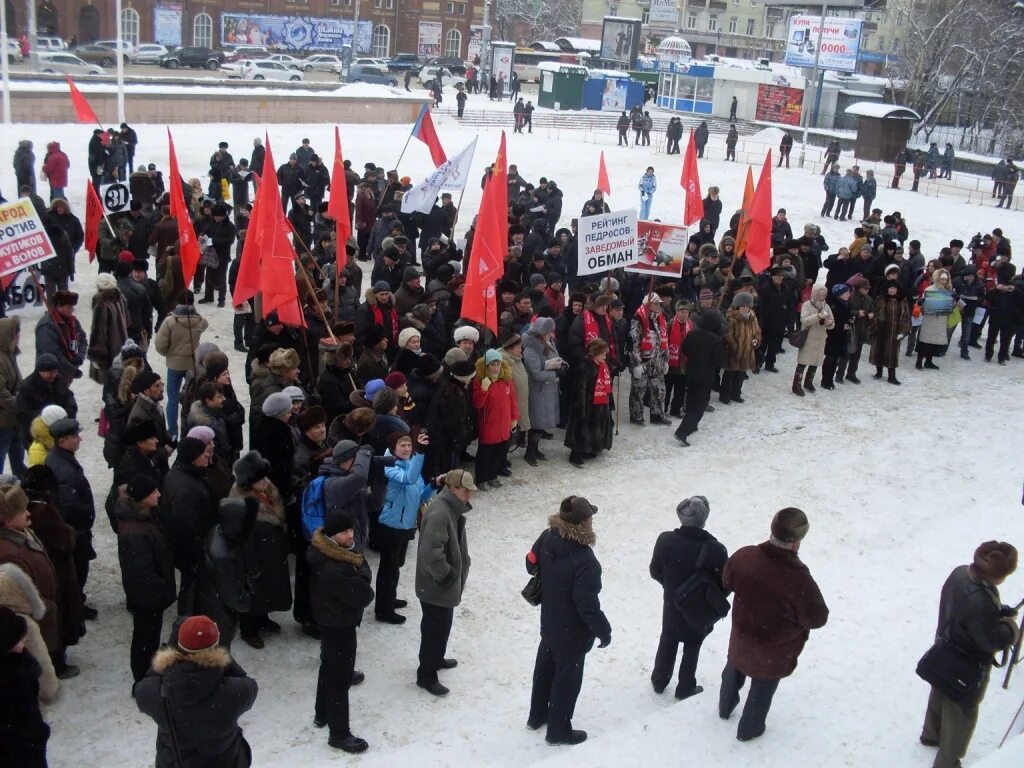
(920, 363)
(892, 377)
(532, 441)
(878, 371)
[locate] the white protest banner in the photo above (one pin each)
(23, 241)
(606, 241)
(450, 175)
(116, 197)
(661, 249)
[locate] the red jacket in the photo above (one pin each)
(555, 300)
(56, 165)
(497, 407)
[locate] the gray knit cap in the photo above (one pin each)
(693, 512)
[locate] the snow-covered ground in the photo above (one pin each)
(900, 485)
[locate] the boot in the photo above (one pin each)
(797, 389)
(920, 363)
(532, 441)
(878, 371)
(892, 377)
(809, 379)
(725, 388)
(929, 364)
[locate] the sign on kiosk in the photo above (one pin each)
(23, 241)
(606, 241)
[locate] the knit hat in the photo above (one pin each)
(51, 414)
(141, 486)
(47, 362)
(742, 300)
(143, 381)
(993, 560)
(542, 325)
(537, 279)
(839, 289)
(250, 469)
(790, 525)
(197, 633)
(395, 379)
(276, 404)
(406, 335)
(693, 512)
(139, 431)
(385, 401)
(410, 273)
(105, 282)
(464, 332)
(190, 449)
(453, 356)
(205, 434)
(462, 368)
(492, 356)
(311, 417)
(295, 394)
(283, 360)
(13, 629)
(382, 286)
(427, 365)
(13, 502)
(337, 521)
(344, 450)
(64, 428)
(132, 351)
(576, 509)
(705, 293)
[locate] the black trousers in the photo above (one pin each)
(1004, 334)
(759, 701)
(82, 555)
(665, 661)
(771, 344)
(697, 397)
(393, 545)
(435, 628)
(731, 387)
(489, 459)
(337, 662)
(217, 279)
(146, 628)
(848, 364)
(557, 681)
(828, 369)
(675, 393)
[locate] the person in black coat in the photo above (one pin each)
(23, 732)
(678, 555)
(142, 457)
(449, 420)
(838, 336)
(196, 692)
(339, 592)
(570, 617)
(704, 352)
(186, 513)
(336, 382)
(774, 308)
(44, 386)
(147, 568)
(275, 442)
(291, 177)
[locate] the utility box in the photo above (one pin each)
(561, 85)
(883, 130)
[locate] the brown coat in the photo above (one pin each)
(27, 552)
(740, 338)
(776, 603)
(892, 319)
(59, 539)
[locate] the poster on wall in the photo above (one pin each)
(613, 97)
(476, 41)
(501, 63)
(660, 249)
(293, 33)
(840, 42)
(430, 39)
(779, 104)
(620, 39)
(663, 12)
(167, 23)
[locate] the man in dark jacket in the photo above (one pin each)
(570, 617)
(972, 619)
(704, 353)
(775, 606)
(774, 306)
(679, 555)
(186, 513)
(346, 474)
(59, 333)
(140, 309)
(196, 692)
(336, 382)
(259, 154)
(43, 387)
(339, 591)
(291, 177)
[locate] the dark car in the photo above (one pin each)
(367, 73)
(403, 61)
(194, 57)
(97, 54)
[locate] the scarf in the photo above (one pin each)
(676, 334)
(378, 319)
(602, 384)
(590, 332)
(646, 347)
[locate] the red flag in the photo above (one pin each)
(744, 225)
(602, 177)
(759, 232)
(188, 246)
(93, 217)
(423, 129)
(486, 262)
(693, 209)
(83, 111)
(337, 205)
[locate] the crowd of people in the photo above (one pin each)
(362, 428)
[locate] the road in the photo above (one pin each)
(153, 71)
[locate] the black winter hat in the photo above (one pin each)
(139, 431)
(141, 486)
(144, 381)
(13, 629)
(47, 362)
(338, 521)
(190, 449)
(427, 365)
(250, 469)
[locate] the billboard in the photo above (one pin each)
(840, 42)
(663, 12)
(429, 43)
(167, 23)
(620, 39)
(293, 33)
(779, 104)
(476, 41)
(660, 249)
(613, 97)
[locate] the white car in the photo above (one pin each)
(64, 64)
(261, 69)
(283, 58)
(236, 68)
(448, 80)
(14, 52)
(370, 62)
(148, 53)
(50, 44)
(322, 62)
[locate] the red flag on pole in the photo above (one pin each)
(83, 111)
(743, 227)
(602, 177)
(693, 209)
(337, 205)
(93, 217)
(759, 232)
(188, 246)
(486, 262)
(423, 129)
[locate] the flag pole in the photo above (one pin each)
(400, 156)
(312, 292)
(458, 208)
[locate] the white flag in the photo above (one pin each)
(450, 175)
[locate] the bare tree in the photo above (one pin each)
(524, 21)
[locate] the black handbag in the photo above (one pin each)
(799, 338)
(951, 671)
(532, 590)
(700, 599)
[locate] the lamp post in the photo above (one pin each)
(817, 58)
(485, 44)
(5, 67)
(120, 62)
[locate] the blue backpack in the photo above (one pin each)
(313, 511)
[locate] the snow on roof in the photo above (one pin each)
(878, 109)
(558, 66)
(579, 44)
(860, 94)
(542, 45)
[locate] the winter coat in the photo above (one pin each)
(55, 166)
(543, 394)
(776, 604)
(205, 693)
(275, 441)
(933, 326)
(339, 583)
(406, 493)
(19, 593)
(59, 539)
(892, 320)
(589, 427)
(145, 409)
(700, 136)
(496, 406)
(674, 561)
(813, 350)
(74, 497)
(521, 383)
(346, 491)
(838, 336)
(133, 464)
(34, 394)
(334, 386)
(389, 325)
(139, 315)
(65, 341)
(108, 333)
(704, 352)
(846, 187)
(186, 513)
(200, 415)
(224, 588)
(570, 575)
(442, 558)
(451, 421)
(41, 444)
(23, 732)
(742, 337)
(773, 308)
(969, 617)
(869, 189)
(178, 336)
(266, 552)
(147, 565)
(10, 374)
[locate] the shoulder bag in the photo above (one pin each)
(532, 591)
(700, 599)
(799, 338)
(951, 671)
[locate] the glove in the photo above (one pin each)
(605, 642)
(638, 371)
(449, 579)
(485, 384)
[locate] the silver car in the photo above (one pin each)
(322, 62)
(149, 53)
(64, 64)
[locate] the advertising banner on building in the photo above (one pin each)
(613, 97)
(476, 41)
(167, 23)
(663, 12)
(502, 55)
(779, 104)
(606, 241)
(660, 249)
(620, 39)
(430, 39)
(840, 42)
(294, 33)
(23, 241)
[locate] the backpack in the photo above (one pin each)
(700, 599)
(313, 511)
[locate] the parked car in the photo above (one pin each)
(323, 62)
(289, 61)
(14, 55)
(367, 61)
(428, 73)
(453, 63)
(50, 44)
(64, 64)
(247, 52)
(262, 69)
(97, 54)
(236, 68)
(403, 61)
(149, 53)
(126, 47)
(194, 57)
(369, 73)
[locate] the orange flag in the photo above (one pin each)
(93, 217)
(486, 262)
(744, 225)
(337, 205)
(188, 246)
(759, 232)
(83, 111)
(693, 208)
(602, 177)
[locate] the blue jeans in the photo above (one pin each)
(11, 445)
(645, 208)
(56, 192)
(174, 380)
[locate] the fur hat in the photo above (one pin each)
(453, 356)
(250, 468)
(276, 404)
(311, 417)
(427, 365)
(139, 431)
(466, 332)
(385, 401)
(337, 521)
(462, 368)
(344, 450)
(406, 335)
(993, 560)
(141, 486)
(372, 336)
(742, 300)
(13, 502)
(542, 325)
(47, 362)
(197, 633)
(790, 525)
(693, 512)
(576, 509)
(143, 381)
(282, 360)
(51, 414)
(13, 628)
(361, 420)
(707, 251)
(67, 298)
(190, 449)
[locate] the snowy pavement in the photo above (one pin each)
(900, 485)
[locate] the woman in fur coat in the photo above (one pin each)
(742, 338)
(891, 323)
(18, 593)
(816, 318)
(109, 330)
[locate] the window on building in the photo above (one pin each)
(338, 3)
(130, 26)
(645, 16)
(381, 41)
(456, 9)
(865, 41)
(691, 21)
(202, 30)
(453, 44)
(750, 27)
(733, 24)
(881, 44)
(713, 23)
(388, 4)
(770, 29)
